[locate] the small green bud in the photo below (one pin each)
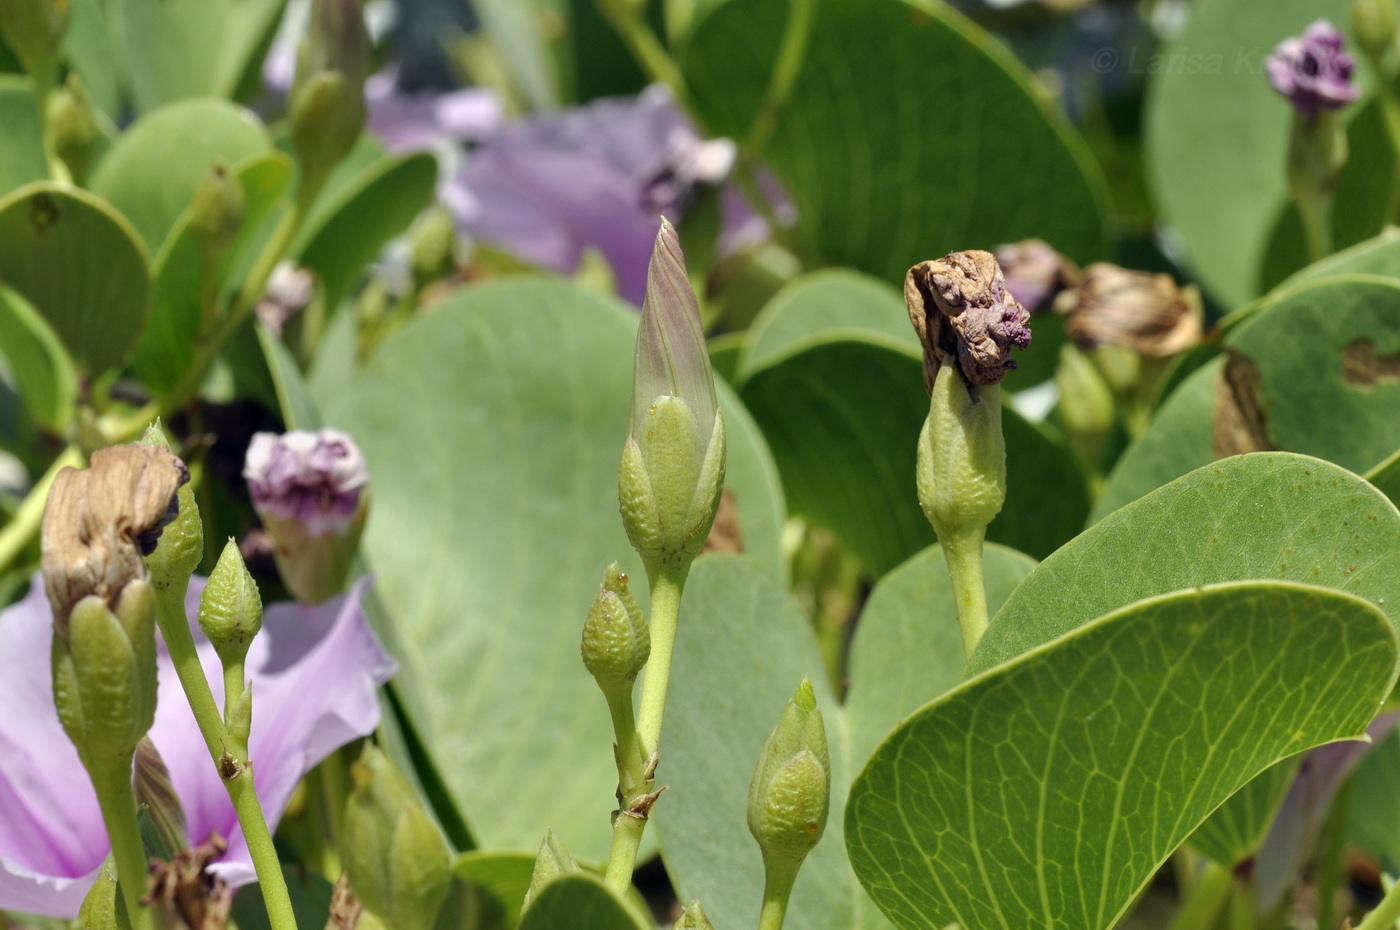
(230, 609)
(156, 791)
(396, 857)
(181, 544)
(328, 99)
(616, 641)
(961, 470)
(434, 237)
(216, 212)
(73, 127)
(791, 787)
(552, 861)
(693, 918)
(672, 469)
(103, 908)
(1375, 25)
(34, 29)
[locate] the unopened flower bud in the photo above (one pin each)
(396, 857)
(1034, 273)
(434, 237)
(693, 918)
(230, 609)
(103, 908)
(34, 29)
(616, 641)
(1147, 313)
(328, 97)
(1376, 26)
(155, 790)
(310, 491)
(181, 544)
(672, 469)
(791, 788)
(961, 463)
(1312, 71)
(71, 123)
(290, 290)
(216, 212)
(963, 313)
(552, 861)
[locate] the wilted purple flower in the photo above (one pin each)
(602, 175)
(314, 673)
(962, 311)
(1312, 71)
(1035, 272)
(313, 478)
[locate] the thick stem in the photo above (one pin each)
(118, 804)
(1333, 844)
(622, 859)
(962, 550)
(175, 630)
(1315, 208)
(1202, 905)
(16, 534)
(234, 684)
(1242, 905)
(779, 875)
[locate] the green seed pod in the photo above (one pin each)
(693, 918)
(616, 641)
(791, 788)
(552, 861)
(230, 609)
(181, 544)
(395, 855)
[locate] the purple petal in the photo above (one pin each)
(1312, 71)
(315, 674)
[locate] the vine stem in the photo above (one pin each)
(1203, 903)
(779, 875)
(1386, 913)
(962, 550)
(236, 774)
(117, 802)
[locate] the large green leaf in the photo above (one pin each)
(909, 133)
(42, 370)
(176, 50)
(1233, 833)
(1268, 515)
(366, 214)
(21, 144)
(1217, 135)
(493, 429)
(580, 901)
(1046, 792)
(1375, 812)
(1386, 478)
(1327, 356)
(1180, 438)
(499, 882)
(154, 168)
(81, 265)
(1379, 255)
(87, 49)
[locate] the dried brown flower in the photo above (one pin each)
(961, 310)
(1138, 310)
(1035, 273)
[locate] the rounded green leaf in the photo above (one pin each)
(1217, 135)
(1268, 515)
(908, 133)
(81, 265)
(1046, 792)
(499, 881)
(21, 144)
(42, 370)
(153, 169)
(580, 901)
(1326, 358)
(493, 429)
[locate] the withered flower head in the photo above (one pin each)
(99, 523)
(1312, 70)
(1035, 272)
(961, 309)
(1137, 310)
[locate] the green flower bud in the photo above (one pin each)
(693, 918)
(34, 29)
(216, 212)
(434, 237)
(230, 609)
(1374, 23)
(181, 544)
(103, 908)
(328, 98)
(552, 861)
(961, 463)
(156, 791)
(616, 641)
(104, 676)
(791, 787)
(72, 126)
(395, 855)
(672, 469)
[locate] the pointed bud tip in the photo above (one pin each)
(805, 698)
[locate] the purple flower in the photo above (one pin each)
(315, 479)
(546, 187)
(409, 122)
(1312, 71)
(314, 672)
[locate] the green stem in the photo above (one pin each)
(788, 65)
(962, 550)
(16, 534)
(1201, 906)
(1333, 844)
(1386, 913)
(234, 683)
(118, 804)
(1242, 909)
(622, 858)
(647, 49)
(1315, 208)
(778, 878)
(43, 87)
(179, 643)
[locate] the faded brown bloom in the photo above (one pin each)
(1137, 310)
(1035, 273)
(100, 521)
(961, 309)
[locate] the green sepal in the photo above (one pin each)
(961, 469)
(616, 640)
(552, 861)
(693, 918)
(789, 796)
(181, 545)
(103, 908)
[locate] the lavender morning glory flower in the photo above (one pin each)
(602, 175)
(315, 672)
(315, 479)
(1312, 71)
(408, 122)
